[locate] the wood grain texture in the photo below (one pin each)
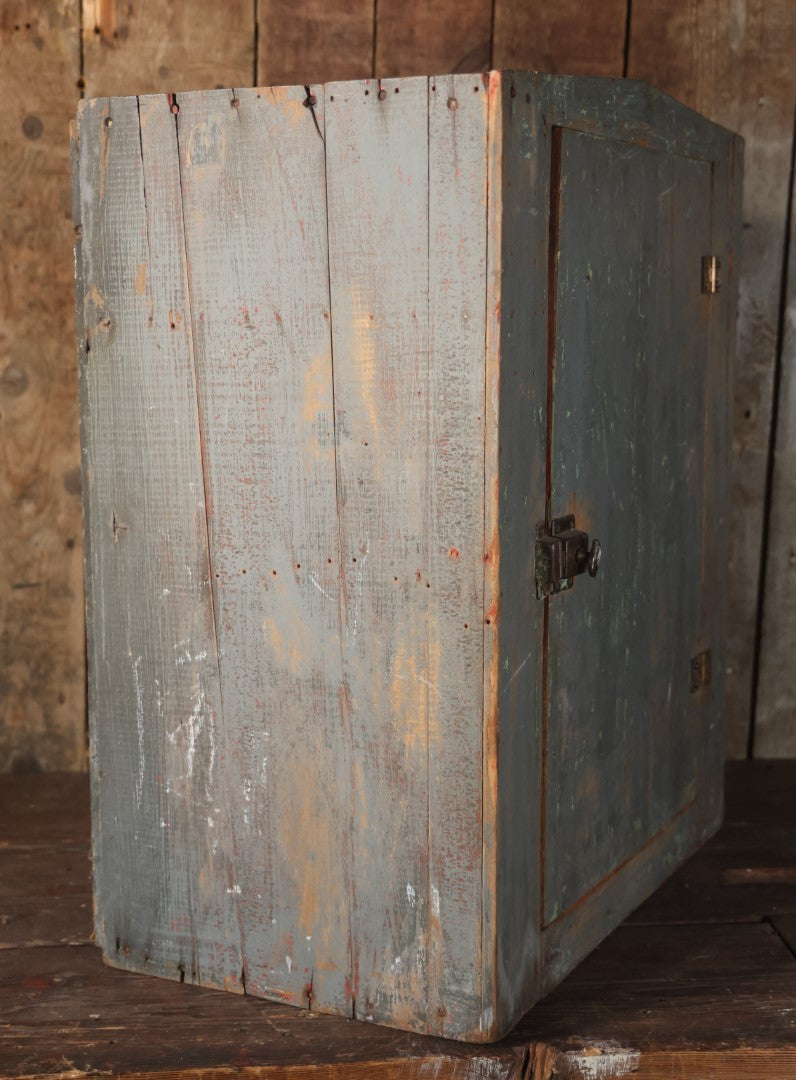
(631, 114)
(457, 237)
(331, 738)
(775, 708)
(564, 39)
(627, 459)
(714, 1001)
(318, 41)
(377, 180)
(515, 492)
(667, 1002)
(255, 223)
(45, 896)
(158, 800)
(42, 652)
(735, 65)
(415, 37)
(152, 46)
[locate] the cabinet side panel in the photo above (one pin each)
(153, 677)
(458, 114)
(377, 183)
(520, 482)
(252, 166)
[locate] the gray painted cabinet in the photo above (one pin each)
(347, 356)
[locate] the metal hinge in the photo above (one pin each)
(700, 671)
(563, 552)
(711, 264)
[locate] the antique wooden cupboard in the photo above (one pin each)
(366, 369)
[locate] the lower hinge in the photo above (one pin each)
(700, 671)
(711, 265)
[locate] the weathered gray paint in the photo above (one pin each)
(319, 413)
(160, 904)
(516, 493)
(457, 245)
(775, 710)
(632, 114)
(252, 167)
(620, 756)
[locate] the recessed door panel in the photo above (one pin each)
(626, 418)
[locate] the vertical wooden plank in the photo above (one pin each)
(152, 46)
(515, 489)
(157, 778)
(740, 74)
(42, 655)
(414, 37)
(775, 717)
(567, 38)
(377, 177)
(458, 118)
(491, 913)
(255, 220)
(317, 41)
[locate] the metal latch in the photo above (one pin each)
(711, 264)
(563, 552)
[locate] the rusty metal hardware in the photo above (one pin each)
(711, 264)
(563, 552)
(700, 671)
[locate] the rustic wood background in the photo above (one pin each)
(730, 59)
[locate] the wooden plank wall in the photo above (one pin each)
(731, 59)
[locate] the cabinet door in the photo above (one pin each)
(626, 414)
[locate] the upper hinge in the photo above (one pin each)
(711, 265)
(700, 670)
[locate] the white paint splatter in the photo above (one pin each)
(289, 964)
(410, 894)
(358, 589)
(195, 724)
(604, 1059)
(211, 762)
(485, 1022)
(234, 889)
(516, 673)
(320, 588)
(184, 653)
(435, 900)
(139, 723)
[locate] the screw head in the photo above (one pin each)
(382, 95)
(453, 104)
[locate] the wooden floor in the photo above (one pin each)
(699, 983)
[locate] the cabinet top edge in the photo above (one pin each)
(617, 88)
